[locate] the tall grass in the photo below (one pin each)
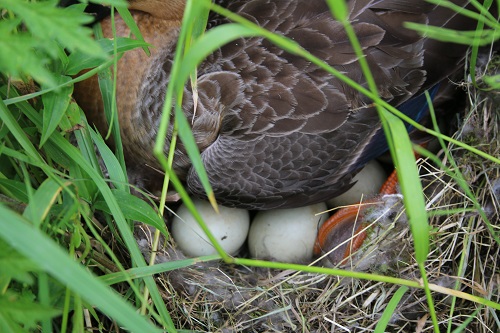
(57, 259)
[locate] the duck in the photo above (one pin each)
(273, 129)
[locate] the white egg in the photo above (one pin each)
(369, 180)
(286, 235)
(229, 227)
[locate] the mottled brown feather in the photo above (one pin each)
(275, 130)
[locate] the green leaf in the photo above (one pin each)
(35, 245)
(7, 325)
(14, 265)
(18, 235)
(55, 106)
(116, 3)
(41, 203)
(19, 133)
(71, 121)
(135, 273)
(15, 188)
(411, 187)
(338, 9)
(115, 171)
(471, 38)
(24, 311)
(208, 43)
(18, 57)
(46, 29)
(492, 81)
(79, 60)
(135, 209)
(132, 25)
(389, 310)
(48, 22)
(137, 258)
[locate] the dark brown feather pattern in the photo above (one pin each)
(275, 130)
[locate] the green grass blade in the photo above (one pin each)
(463, 326)
(113, 166)
(183, 68)
(402, 154)
(208, 43)
(121, 222)
(411, 188)
(83, 77)
(14, 188)
(42, 201)
(62, 146)
(135, 273)
(475, 48)
(135, 209)
(55, 106)
(130, 22)
(50, 257)
(389, 310)
(79, 61)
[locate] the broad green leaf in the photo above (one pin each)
(41, 203)
(48, 22)
(71, 121)
(135, 209)
(15, 188)
(18, 58)
(55, 106)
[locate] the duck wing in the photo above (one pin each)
(277, 131)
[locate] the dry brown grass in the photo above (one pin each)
(215, 297)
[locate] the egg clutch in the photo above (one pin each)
(285, 235)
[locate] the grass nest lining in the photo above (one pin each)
(60, 221)
(464, 256)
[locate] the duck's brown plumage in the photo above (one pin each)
(275, 130)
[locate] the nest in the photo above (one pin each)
(464, 256)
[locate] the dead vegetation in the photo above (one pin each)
(464, 256)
